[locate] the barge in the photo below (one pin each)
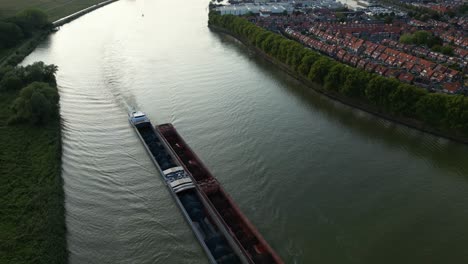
(251, 242)
(215, 240)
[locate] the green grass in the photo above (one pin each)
(54, 8)
(32, 225)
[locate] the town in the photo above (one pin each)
(425, 44)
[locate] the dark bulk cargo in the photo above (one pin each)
(213, 237)
(252, 244)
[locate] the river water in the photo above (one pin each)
(322, 182)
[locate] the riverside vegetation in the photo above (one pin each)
(25, 23)
(21, 33)
(32, 221)
(55, 9)
(32, 216)
(438, 113)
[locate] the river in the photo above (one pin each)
(324, 183)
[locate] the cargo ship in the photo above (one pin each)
(215, 239)
(251, 242)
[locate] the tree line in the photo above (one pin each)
(37, 99)
(15, 29)
(387, 95)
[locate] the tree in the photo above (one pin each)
(307, 61)
(320, 69)
(10, 35)
(436, 48)
(447, 50)
(333, 80)
(432, 109)
(39, 72)
(355, 83)
(4, 70)
(378, 91)
(457, 112)
(406, 39)
(30, 20)
(405, 98)
(41, 108)
(421, 37)
(11, 81)
(36, 103)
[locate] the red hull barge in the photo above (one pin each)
(254, 247)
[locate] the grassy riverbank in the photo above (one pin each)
(440, 114)
(32, 217)
(55, 9)
(25, 23)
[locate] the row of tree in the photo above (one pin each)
(388, 95)
(38, 98)
(13, 30)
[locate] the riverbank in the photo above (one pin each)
(354, 102)
(69, 18)
(55, 9)
(16, 55)
(32, 218)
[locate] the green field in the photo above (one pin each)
(54, 8)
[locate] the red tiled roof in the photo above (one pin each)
(370, 66)
(383, 57)
(362, 63)
(451, 87)
(380, 69)
(406, 77)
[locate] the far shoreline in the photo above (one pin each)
(411, 123)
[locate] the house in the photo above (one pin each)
(370, 66)
(420, 51)
(437, 77)
(356, 46)
(427, 73)
(331, 50)
(452, 74)
(426, 64)
(407, 65)
(416, 69)
(362, 63)
(380, 69)
(340, 54)
(406, 77)
(391, 52)
(451, 87)
(369, 50)
(383, 57)
(392, 73)
(440, 68)
(347, 58)
(391, 60)
(354, 61)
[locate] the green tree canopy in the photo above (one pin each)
(10, 34)
(36, 104)
(447, 50)
(11, 81)
(39, 72)
(30, 20)
(320, 69)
